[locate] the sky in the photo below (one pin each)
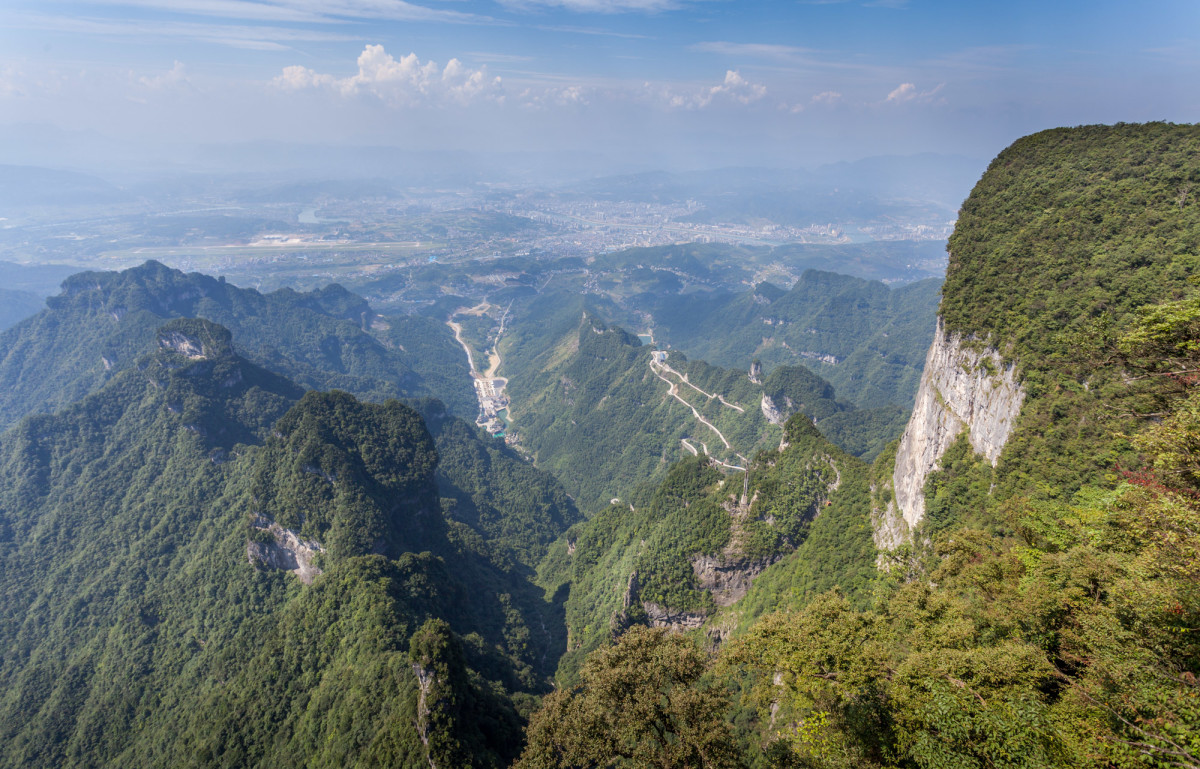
(669, 83)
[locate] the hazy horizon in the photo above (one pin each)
(626, 85)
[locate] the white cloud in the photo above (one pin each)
(303, 11)
(403, 81)
(738, 88)
(297, 78)
(907, 92)
(172, 78)
(734, 88)
(600, 6)
(904, 92)
(827, 97)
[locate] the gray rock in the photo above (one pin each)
(961, 388)
(288, 552)
(672, 619)
(728, 580)
(771, 411)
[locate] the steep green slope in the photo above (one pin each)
(865, 433)
(869, 341)
(101, 322)
(148, 616)
(315, 333)
(1090, 220)
(1063, 241)
(705, 544)
(1047, 612)
(860, 432)
(1047, 608)
(606, 414)
(596, 410)
(315, 338)
(490, 488)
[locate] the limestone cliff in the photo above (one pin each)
(672, 619)
(772, 412)
(728, 579)
(283, 550)
(963, 387)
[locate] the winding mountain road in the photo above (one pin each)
(683, 378)
(673, 391)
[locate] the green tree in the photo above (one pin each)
(643, 702)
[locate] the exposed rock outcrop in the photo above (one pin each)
(195, 338)
(728, 580)
(425, 682)
(771, 411)
(183, 344)
(672, 619)
(961, 388)
(287, 551)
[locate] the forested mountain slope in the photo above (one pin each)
(102, 322)
(325, 339)
(1044, 611)
(1066, 240)
(867, 339)
(203, 564)
(605, 413)
(704, 539)
(146, 539)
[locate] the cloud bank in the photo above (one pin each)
(734, 89)
(402, 82)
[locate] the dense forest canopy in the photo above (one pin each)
(1047, 610)
(242, 529)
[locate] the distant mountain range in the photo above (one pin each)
(254, 530)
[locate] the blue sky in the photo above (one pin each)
(678, 82)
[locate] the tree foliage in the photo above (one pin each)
(643, 702)
(102, 322)
(135, 630)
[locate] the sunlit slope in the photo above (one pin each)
(325, 339)
(602, 413)
(867, 339)
(714, 549)
(146, 539)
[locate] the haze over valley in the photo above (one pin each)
(599, 383)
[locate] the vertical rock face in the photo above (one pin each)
(727, 580)
(772, 412)
(672, 619)
(287, 553)
(960, 388)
